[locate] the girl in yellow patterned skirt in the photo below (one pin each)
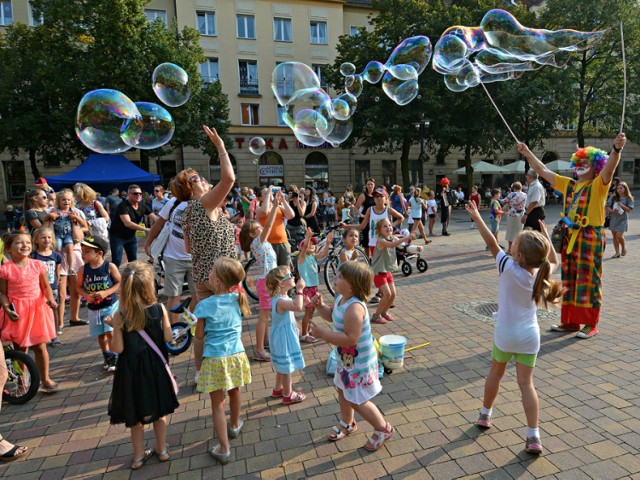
(225, 366)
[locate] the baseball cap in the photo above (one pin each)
(380, 192)
(97, 243)
(41, 181)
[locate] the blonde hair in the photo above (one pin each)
(274, 278)
(84, 193)
(230, 273)
(379, 224)
(247, 229)
(38, 232)
(61, 193)
(534, 249)
(137, 293)
(359, 276)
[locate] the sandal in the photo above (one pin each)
(376, 318)
(78, 323)
(308, 339)
(338, 433)
(262, 356)
(276, 393)
(138, 463)
(50, 387)
(387, 317)
(163, 456)
(223, 458)
(13, 453)
(617, 255)
(295, 397)
(378, 439)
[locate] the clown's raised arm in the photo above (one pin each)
(539, 167)
(614, 158)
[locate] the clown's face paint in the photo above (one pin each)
(582, 170)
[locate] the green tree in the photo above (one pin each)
(89, 44)
(596, 75)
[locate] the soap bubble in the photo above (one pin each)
(306, 101)
(373, 71)
(344, 106)
(400, 91)
(376, 99)
(107, 121)
(340, 131)
(353, 85)
(414, 51)
(403, 72)
(255, 161)
(257, 146)
(290, 77)
(158, 126)
(347, 69)
(171, 84)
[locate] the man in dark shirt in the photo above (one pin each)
(112, 202)
(126, 221)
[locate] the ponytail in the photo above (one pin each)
(245, 309)
(546, 290)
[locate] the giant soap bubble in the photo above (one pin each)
(158, 126)
(171, 84)
(107, 121)
(290, 77)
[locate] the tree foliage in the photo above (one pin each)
(85, 45)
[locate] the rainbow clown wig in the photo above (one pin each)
(444, 181)
(590, 157)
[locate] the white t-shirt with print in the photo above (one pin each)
(517, 329)
(175, 248)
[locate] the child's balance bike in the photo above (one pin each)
(182, 331)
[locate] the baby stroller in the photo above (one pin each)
(407, 252)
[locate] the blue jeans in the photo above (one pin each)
(117, 244)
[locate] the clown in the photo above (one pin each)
(583, 219)
(447, 199)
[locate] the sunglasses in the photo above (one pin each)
(135, 193)
(156, 191)
(196, 178)
(288, 276)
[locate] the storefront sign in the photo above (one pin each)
(271, 170)
(268, 143)
(322, 145)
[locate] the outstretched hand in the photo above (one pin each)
(212, 133)
(523, 149)
(472, 210)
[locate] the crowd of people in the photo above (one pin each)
(75, 240)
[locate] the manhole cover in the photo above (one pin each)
(484, 311)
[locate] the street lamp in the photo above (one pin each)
(421, 126)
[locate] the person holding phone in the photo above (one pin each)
(278, 235)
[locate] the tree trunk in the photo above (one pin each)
(468, 168)
(34, 164)
(144, 160)
(404, 164)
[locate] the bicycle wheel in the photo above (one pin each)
(251, 278)
(23, 378)
(331, 267)
(182, 339)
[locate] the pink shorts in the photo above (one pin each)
(263, 294)
(310, 292)
(382, 278)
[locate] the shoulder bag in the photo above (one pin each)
(160, 242)
(155, 348)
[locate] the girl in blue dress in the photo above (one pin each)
(356, 376)
(286, 354)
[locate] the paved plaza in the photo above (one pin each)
(589, 402)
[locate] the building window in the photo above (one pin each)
(250, 114)
(248, 77)
(319, 33)
(316, 171)
(281, 122)
(389, 173)
(353, 31)
(33, 20)
(209, 70)
(207, 23)
(246, 26)
(318, 71)
(15, 179)
(6, 13)
(282, 30)
(284, 80)
(362, 169)
(153, 15)
(214, 168)
(167, 170)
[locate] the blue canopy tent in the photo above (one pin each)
(104, 172)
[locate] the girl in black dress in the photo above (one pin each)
(143, 391)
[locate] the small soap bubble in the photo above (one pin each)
(107, 121)
(158, 126)
(257, 146)
(376, 99)
(171, 84)
(255, 161)
(373, 71)
(347, 69)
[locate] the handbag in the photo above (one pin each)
(155, 348)
(607, 221)
(160, 242)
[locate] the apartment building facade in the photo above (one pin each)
(243, 41)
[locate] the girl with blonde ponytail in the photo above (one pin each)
(525, 282)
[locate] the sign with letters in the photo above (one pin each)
(271, 170)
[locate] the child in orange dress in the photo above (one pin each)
(27, 299)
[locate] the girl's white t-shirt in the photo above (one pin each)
(432, 207)
(517, 329)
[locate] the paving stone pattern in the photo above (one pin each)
(589, 405)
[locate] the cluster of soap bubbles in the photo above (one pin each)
(501, 49)
(316, 118)
(107, 121)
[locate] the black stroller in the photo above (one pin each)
(407, 252)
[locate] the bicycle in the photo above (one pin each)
(332, 260)
(23, 379)
(182, 335)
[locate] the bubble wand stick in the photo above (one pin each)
(499, 113)
(624, 77)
